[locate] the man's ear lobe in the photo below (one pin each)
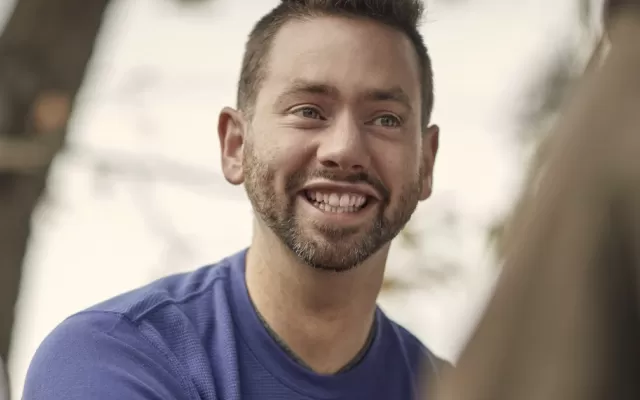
(231, 134)
(432, 138)
(430, 144)
(427, 187)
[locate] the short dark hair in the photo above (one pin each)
(404, 15)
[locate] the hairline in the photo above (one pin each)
(424, 71)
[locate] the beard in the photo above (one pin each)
(325, 247)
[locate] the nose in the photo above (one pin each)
(343, 146)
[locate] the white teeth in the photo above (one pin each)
(337, 202)
(344, 200)
(334, 199)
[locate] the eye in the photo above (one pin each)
(308, 112)
(387, 121)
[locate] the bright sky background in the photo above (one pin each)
(161, 74)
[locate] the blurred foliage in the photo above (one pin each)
(545, 98)
(427, 266)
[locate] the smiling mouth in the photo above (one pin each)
(334, 202)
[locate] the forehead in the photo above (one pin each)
(352, 55)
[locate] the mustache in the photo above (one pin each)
(298, 180)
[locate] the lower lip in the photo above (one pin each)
(344, 217)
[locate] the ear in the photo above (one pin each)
(231, 135)
(430, 143)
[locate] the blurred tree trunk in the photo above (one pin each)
(44, 52)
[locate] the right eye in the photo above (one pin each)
(308, 112)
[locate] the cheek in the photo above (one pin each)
(286, 162)
(285, 166)
(282, 146)
(398, 169)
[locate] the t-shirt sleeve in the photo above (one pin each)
(100, 356)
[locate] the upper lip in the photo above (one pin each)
(342, 187)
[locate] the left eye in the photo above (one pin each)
(388, 121)
(308, 112)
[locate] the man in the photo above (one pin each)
(332, 142)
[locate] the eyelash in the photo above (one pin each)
(397, 120)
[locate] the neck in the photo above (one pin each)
(324, 317)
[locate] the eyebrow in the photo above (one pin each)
(299, 86)
(308, 87)
(395, 94)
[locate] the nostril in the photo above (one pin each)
(330, 164)
(346, 167)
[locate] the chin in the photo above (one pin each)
(331, 264)
(337, 252)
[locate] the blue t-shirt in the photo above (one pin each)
(197, 336)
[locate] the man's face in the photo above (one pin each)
(334, 160)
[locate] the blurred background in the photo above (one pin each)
(126, 93)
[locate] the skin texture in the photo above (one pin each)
(340, 105)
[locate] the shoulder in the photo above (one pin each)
(135, 345)
(183, 291)
(98, 355)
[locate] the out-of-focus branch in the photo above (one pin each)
(26, 155)
(144, 167)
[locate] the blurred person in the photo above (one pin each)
(563, 321)
(332, 141)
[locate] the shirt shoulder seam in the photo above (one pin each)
(181, 300)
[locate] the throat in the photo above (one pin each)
(325, 332)
(311, 364)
